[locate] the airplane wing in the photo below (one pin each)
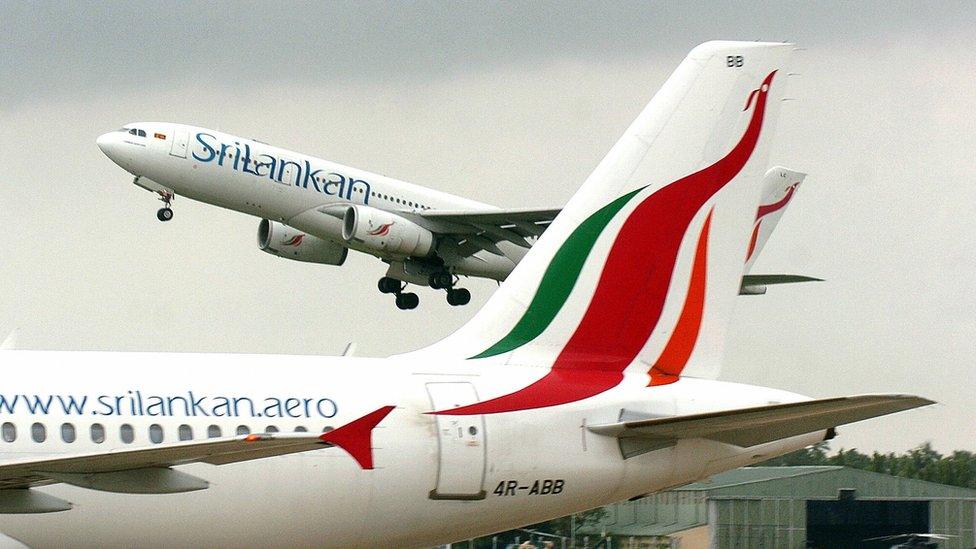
(476, 230)
(26, 472)
(148, 469)
(747, 427)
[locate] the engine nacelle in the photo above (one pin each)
(386, 232)
(283, 241)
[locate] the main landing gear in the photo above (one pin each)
(446, 281)
(166, 212)
(438, 281)
(404, 300)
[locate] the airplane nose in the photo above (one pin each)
(113, 147)
(104, 142)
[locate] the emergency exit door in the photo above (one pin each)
(461, 443)
(180, 139)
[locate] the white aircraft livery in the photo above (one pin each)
(589, 377)
(315, 211)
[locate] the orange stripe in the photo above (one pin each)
(752, 242)
(678, 350)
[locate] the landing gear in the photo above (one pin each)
(406, 300)
(444, 280)
(389, 285)
(166, 212)
(458, 296)
(440, 280)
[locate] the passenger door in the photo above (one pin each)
(180, 140)
(461, 443)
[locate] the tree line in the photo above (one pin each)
(921, 462)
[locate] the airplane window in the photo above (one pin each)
(156, 433)
(9, 432)
(301, 429)
(243, 430)
(133, 131)
(126, 433)
(185, 432)
(97, 433)
(213, 431)
(142, 133)
(271, 429)
(68, 432)
(38, 432)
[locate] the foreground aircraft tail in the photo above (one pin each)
(642, 266)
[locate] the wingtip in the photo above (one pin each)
(356, 437)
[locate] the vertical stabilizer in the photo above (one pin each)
(641, 268)
(778, 189)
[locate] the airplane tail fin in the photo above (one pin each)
(778, 188)
(641, 268)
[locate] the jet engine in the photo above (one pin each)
(386, 232)
(284, 241)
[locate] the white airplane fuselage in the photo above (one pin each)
(437, 478)
(269, 182)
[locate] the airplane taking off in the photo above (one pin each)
(589, 377)
(314, 210)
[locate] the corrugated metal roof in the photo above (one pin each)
(748, 475)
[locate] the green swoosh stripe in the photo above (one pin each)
(559, 279)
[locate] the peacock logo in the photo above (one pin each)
(294, 241)
(382, 230)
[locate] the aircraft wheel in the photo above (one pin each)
(407, 301)
(164, 214)
(388, 285)
(440, 280)
(459, 296)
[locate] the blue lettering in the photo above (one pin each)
(70, 405)
(310, 176)
(338, 183)
(156, 402)
(106, 402)
(330, 409)
(250, 405)
(352, 187)
(281, 172)
(270, 164)
(247, 160)
(206, 148)
(197, 404)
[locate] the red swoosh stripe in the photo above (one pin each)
(770, 208)
(676, 353)
(630, 294)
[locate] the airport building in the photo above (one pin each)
(794, 507)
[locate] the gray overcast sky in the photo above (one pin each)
(507, 103)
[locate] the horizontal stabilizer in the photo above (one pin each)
(771, 279)
(747, 427)
(756, 284)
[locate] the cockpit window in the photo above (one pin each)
(136, 132)
(142, 133)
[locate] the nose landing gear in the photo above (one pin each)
(166, 212)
